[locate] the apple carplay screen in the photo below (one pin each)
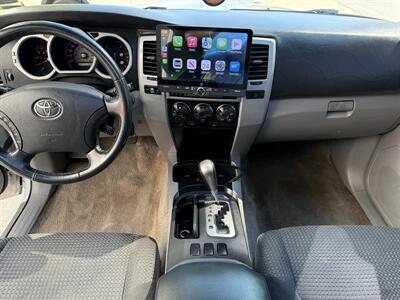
(206, 57)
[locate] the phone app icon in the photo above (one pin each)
(236, 44)
(222, 43)
(192, 41)
(206, 42)
(220, 66)
(206, 65)
(191, 64)
(164, 54)
(177, 41)
(165, 61)
(177, 63)
(164, 49)
(234, 66)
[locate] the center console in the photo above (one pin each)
(203, 74)
(210, 110)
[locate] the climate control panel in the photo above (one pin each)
(189, 113)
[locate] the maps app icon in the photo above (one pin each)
(236, 44)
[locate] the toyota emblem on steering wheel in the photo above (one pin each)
(47, 109)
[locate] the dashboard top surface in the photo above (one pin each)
(316, 55)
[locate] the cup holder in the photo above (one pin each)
(184, 233)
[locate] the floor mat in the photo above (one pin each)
(292, 184)
(129, 196)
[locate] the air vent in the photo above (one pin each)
(258, 68)
(149, 58)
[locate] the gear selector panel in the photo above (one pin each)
(219, 220)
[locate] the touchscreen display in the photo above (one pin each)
(206, 56)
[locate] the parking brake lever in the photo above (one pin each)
(209, 174)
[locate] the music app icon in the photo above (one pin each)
(192, 41)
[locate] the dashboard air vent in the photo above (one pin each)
(258, 68)
(149, 58)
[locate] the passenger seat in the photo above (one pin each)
(330, 262)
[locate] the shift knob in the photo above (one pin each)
(209, 174)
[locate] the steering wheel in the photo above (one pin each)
(60, 116)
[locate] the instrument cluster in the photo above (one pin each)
(39, 56)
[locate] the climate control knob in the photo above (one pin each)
(180, 111)
(226, 113)
(203, 112)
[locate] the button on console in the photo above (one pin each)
(208, 249)
(222, 249)
(195, 250)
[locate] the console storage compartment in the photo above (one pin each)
(212, 280)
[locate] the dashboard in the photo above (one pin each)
(311, 76)
(39, 57)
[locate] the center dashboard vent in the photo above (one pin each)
(149, 58)
(258, 69)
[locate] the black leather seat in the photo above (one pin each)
(331, 262)
(78, 266)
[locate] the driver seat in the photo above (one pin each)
(78, 266)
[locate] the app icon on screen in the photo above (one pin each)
(164, 49)
(192, 41)
(222, 43)
(177, 63)
(164, 54)
(165, 61)
(191, 64)
(234, 66)
(177, 41)
(206, 65)
(236, 44)
(220, 66)
(206, 42)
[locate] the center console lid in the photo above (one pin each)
(212, 280)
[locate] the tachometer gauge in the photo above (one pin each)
(31, 58)
(41, 62)
(119, 50)
(78, 57)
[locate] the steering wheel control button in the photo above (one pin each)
(11, 129)
(195, 250)
(208, 249)
(47, 109)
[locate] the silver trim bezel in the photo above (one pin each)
(17, 62)
(127, 45)
(90, 70)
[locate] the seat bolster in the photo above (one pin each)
(271, 258)
(3, 243)
(143, 270)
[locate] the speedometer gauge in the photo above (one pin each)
(68, 57)
(119, 50)
(78, 57)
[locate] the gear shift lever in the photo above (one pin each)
(209, 174)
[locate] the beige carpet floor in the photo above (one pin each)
(129, 196)
(295, 184)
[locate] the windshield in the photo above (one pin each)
(382, 9)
